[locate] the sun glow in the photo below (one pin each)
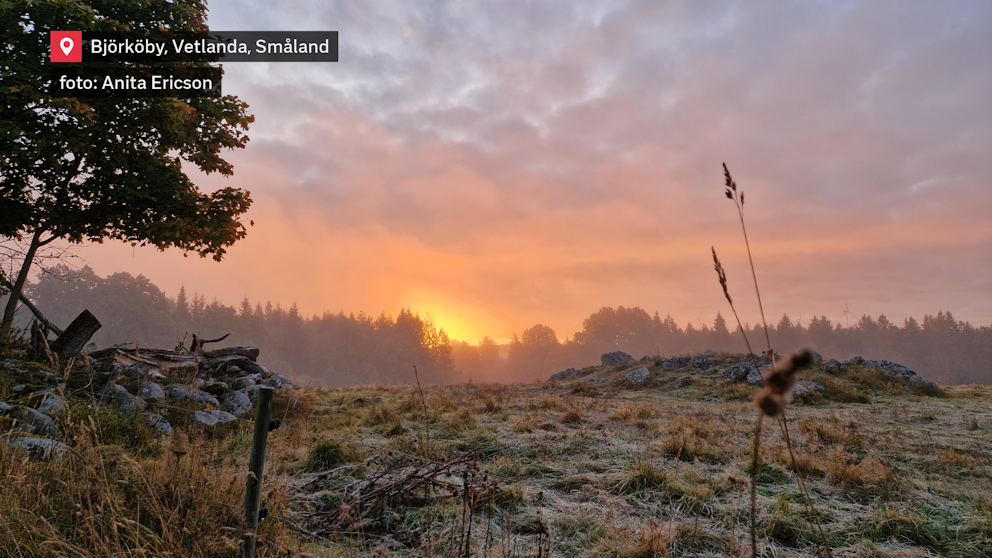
(461, 320)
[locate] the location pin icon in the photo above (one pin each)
(66, 45)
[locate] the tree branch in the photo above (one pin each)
(34, 309)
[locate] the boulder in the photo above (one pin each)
(150, 391)
(34, 422)
(212, 418)
(917, 380)
(639, 377)
(817, 358)
(566, 374)
(186, 393)
(833, 366)
(682, 382)
(159, 423)
(5, 408)
(811, 386)
(138, 370)
(122, 398)
(53, 406)
(237, 403)
(251, 392)
(700, 362)
(857, 360)
(44, 448)
(244, 381)
(279, 381)
(215, 388)
(740, 372)
(754, 377)
(615, 358)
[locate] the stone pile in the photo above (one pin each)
(737, 368)
(217, 387)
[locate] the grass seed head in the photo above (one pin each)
(778, 381)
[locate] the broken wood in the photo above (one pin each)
(75, 337)
(197, 344)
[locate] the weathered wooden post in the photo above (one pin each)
(253, 487)
(74, 338)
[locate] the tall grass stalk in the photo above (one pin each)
(774, 396)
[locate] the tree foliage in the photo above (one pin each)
(110, 168)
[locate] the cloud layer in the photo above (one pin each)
(500, 164)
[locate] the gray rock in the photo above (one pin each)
(215, 388)
(212, 418)
(237, 403)
(5, 408)
(700, 362)
(279, 381)
(639, 377)
(667, 365)
(857, 360)
(123, 399)
(252, 392)
(907, 389)
(34, 422)
(41, 392)
(754, 377)
(44, 448)
(812, 386)
(137, 370)
(833, 366)
(930, 385)
(799, 390)
(566, 374)
(159, 423)
(186, 393)
(614, 358)
(916, 380)
(708, 352)
(53, 406)
(19, 388)
(740, 372)
(248, 381)
(682, 382)
(817, 358)
(199, 383)
(150, 391)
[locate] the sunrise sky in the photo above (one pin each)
(499, 164)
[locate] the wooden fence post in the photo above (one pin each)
(253, 487)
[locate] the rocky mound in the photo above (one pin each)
(202, 389)
(618, 369)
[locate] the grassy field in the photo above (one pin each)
(578, 468)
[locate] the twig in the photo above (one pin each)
(423, 401)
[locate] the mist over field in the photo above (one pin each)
(335, 349)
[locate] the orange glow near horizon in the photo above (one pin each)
(496, 182)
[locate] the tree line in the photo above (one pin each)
(939, 347)
(341, 349)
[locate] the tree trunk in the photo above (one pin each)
(15, 291)
(75, 336)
